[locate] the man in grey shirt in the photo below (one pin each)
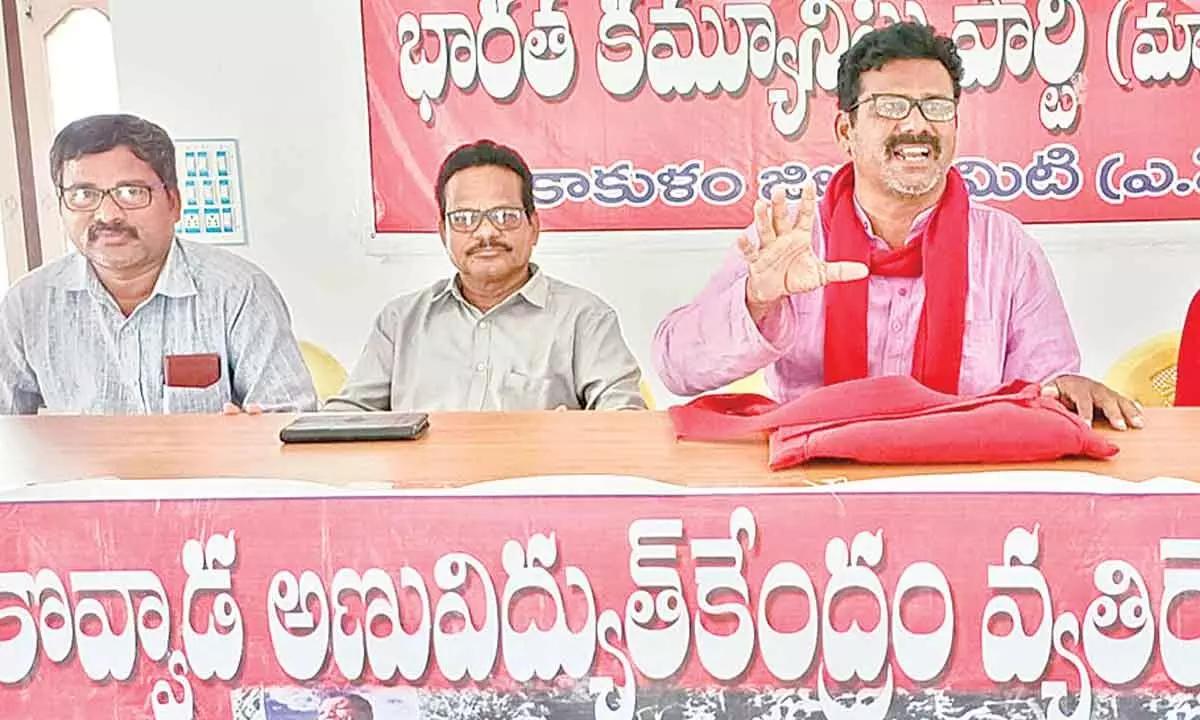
(139, 321)
(500, 334)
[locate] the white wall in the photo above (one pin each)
(288, 84)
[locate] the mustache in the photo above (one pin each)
(909, 139)
(489, 245)
(111, 227)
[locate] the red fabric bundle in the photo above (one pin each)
(895, 420)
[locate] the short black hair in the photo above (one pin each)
(899, 41)
(483, 153)
(101, 133)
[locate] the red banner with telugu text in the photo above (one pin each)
(677, 114)
(755, 605)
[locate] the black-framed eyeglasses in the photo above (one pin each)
(501, 218)
(127, 196)
(897, 107)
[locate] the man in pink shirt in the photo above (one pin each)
(898, 272)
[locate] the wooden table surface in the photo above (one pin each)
(463, 448)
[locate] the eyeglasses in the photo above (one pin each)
(898, 107)
(501, 218)
(85, 198)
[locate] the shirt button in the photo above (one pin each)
(897, 327)
(903, 292)
(481, 367)
(482, 324)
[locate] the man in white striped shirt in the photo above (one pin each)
(139, 321)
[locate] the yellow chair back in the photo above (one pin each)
(647, 393)
(327, 373)
(1148, 372)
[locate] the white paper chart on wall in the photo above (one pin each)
(210, 186)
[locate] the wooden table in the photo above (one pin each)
(462, 448)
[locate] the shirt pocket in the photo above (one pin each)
(983, 355)
(528, 392)
(179, 400)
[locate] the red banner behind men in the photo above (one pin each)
(851, 605)
(676, 114)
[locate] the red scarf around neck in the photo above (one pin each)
(939, 252)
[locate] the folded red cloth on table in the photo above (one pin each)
(895, 419)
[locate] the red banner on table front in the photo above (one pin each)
(673, 115)
(270, 608)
